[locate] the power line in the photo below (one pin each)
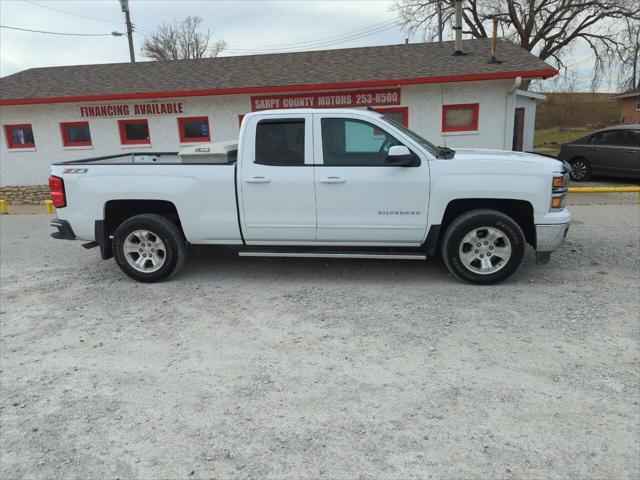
(317, 44)
(59, 33)
(74, 14)
(332, 37)
(138, 26)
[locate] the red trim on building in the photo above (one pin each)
(123, 134)
(403, 110)
(184, 138)
(475, 107)
(471, 77)
(8, 133)
(66, 141)
(240, 118)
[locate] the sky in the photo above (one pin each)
(248, 26)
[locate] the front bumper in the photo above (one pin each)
(64, 230)
(548, 239)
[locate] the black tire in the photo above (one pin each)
(452, 242)
(174, 252)
(580, 169)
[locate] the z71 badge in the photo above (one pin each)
(75, 170)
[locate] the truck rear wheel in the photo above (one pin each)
(483, 246)
(149, 248)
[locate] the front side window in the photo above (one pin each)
(134, 132)
(75, 134)
(194, 129)
(460, 118)
(280, 142)
(610, 137)
(347, 142)
(19, 136)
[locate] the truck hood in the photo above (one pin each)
(506, 156)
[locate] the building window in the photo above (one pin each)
(399, 114)
(134, 132)
(194, 129)
(638, 102)
(75, 134)
(19, 136)
(460, 118)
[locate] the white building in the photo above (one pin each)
(65, 113)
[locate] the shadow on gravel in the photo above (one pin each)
(207, 261)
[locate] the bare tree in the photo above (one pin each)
(181, 39)
(547, 28)
(628, 64)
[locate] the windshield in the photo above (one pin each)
(413, 136)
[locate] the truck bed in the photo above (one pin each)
(201, 191)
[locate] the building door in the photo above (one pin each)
(276, 181)
(518, 130)
(360, 199)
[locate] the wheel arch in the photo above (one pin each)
(520, 210)
(117, 211)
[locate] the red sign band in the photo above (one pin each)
(344, 99)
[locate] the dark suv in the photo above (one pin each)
(612, 152)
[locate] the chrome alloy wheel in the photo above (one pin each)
(485, 250)
(578, 170)
(144, 251)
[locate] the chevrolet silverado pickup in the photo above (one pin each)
(317, 183)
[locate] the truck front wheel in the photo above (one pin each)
(483, 246)
(149, 248)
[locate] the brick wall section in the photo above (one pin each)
(29, 195)
(629, 112)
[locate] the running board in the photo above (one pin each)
(308, 254)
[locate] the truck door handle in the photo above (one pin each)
(630, 151)
(333, 180)
(594, 149)
(258, 180)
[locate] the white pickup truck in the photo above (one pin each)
(317, 183)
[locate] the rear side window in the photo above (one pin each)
(280, 142)
(610, 137)
(633, 138)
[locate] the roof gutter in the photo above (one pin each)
(472, 77)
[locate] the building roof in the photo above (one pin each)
(634, 92)
(389, 65)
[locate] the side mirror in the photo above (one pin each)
(399, 156)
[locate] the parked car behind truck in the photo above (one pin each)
(612, 152)
(317, 183)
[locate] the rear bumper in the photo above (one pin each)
(64, 230)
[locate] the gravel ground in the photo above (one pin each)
(291, 368)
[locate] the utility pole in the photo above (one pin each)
(124, 4)
(440, 26)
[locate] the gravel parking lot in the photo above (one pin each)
(292, 368)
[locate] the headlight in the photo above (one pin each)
(559, 188)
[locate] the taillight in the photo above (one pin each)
(56, 185)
